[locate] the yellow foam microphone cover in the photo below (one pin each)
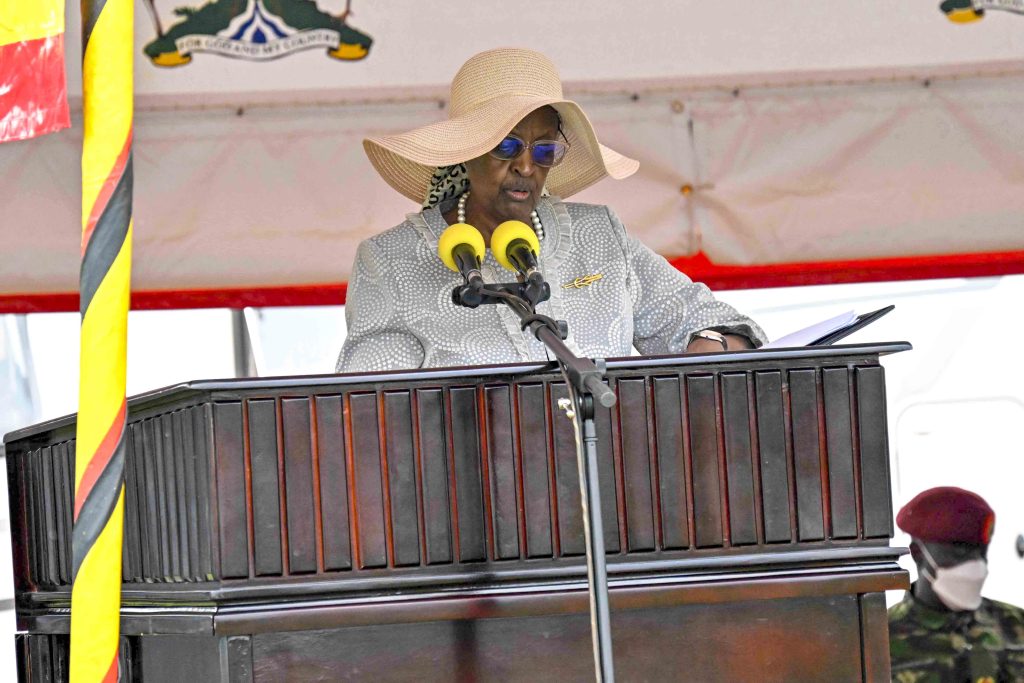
(460, 233)
(503, 236)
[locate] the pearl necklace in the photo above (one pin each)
(538, 228)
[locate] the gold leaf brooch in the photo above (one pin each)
(583, 281)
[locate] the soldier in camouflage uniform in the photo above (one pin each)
(943, 630)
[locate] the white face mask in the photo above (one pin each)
(958, 586)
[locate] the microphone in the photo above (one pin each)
(515, 246)
(461, 247)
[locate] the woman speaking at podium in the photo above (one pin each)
(512, 149)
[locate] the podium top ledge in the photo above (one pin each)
(511, 370)
(474, 373)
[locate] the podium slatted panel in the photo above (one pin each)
(361, 479)
(502, 473)
(233, 493)
(739, 459)
(137, 516)
(707, 486)
(183, 491)
(143, 462)
(46, 479)
(842, 484)
(570, 522)
(49, 526)
(166, 505)
(132, 568)
(776, 496)
(535, 473)
(300, 501)
(186, 454)
(174, 496)
(64, 483)
(266, 490)
(874, 457)
(36, 536)
(675, 532)
(467, 475)
(332, 473)
(367, 480)
(803, 411)
(156, 498)
(402, 480)
(636, 465)
(432, 462)
(206, 521)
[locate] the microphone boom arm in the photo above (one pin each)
(584, 382)
(585, 374)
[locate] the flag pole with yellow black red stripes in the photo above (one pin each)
(107, 47)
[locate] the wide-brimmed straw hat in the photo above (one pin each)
(491, 93)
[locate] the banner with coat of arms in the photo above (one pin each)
(254, 30)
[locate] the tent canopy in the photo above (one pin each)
(785, 143)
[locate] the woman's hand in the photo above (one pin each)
(736, 342)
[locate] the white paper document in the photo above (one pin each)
(809, 334)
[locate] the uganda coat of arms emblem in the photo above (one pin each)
(254, 30)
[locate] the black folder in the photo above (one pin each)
(860, 321)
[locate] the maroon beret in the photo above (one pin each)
(947, 514)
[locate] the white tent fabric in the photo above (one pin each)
(862, 172)
(275, 196)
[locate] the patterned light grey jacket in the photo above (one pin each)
(400, 313)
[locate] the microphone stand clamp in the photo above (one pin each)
(470, 296)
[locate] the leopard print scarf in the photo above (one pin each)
(449, 182)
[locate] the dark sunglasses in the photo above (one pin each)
(545, 153)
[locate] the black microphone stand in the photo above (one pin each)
(584, 382)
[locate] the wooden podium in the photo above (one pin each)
(426, 525)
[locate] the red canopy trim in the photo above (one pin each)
(699, 268)
(719, 277)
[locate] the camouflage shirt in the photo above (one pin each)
(933, 646)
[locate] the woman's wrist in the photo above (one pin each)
(713, 337)
(710, 341)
